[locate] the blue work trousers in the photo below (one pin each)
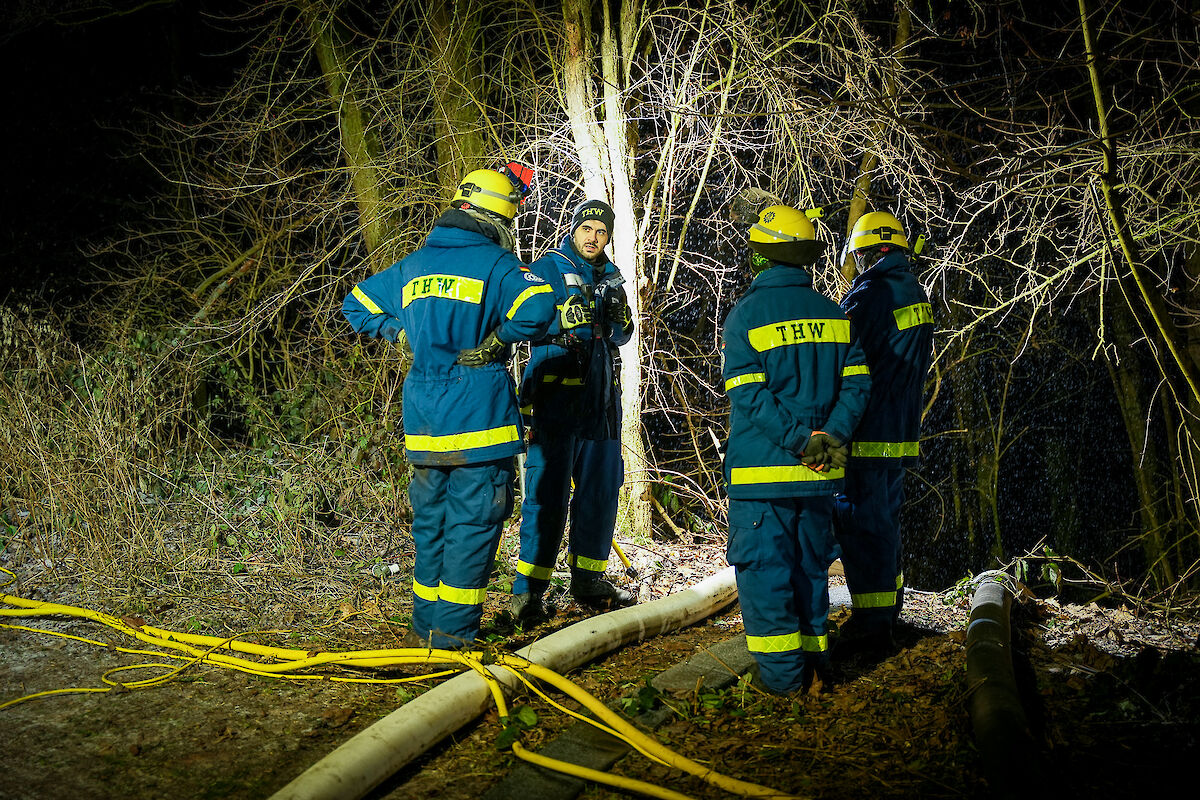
(458, 516)
(550, 465)
(782, 550)
(868, 531)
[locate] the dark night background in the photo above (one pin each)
(77, 84)
(81, 82)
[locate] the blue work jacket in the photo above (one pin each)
(894, 321)
(792, 365)
(447, 296)
(577, 389)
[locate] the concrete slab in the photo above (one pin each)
(581, 744)
(715, 668)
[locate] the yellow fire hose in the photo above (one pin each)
(629, 570)
(191, 649)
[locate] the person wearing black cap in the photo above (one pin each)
(571, 399)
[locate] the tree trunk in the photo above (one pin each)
(1161, 326)
(1167, 535)
(360, 144)
(870, 160)
(579, 98)
(457, 89)
(616, 47)
(1149, 466)
(606, 160)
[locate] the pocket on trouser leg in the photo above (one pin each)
(745, 547)
(498, 498)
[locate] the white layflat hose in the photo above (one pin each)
(376, 753)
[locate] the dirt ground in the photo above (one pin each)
(1114, 698)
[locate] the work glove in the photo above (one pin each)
(574, 322)
(490, 350)
(822, 451)
(574, 313)
(838, 455)
(616, 309)
(406, 351)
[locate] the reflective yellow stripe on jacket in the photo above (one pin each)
(525, 295)
(744, 476)
(859, 369)
(739, 380)
(562, 381)
(885, 449)
(914, 315)
(799, 331)
(450, 287)
(456, 442)
(367, 302)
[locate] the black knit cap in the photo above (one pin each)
(593, 209)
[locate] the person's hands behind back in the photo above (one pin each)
(822, 451)
(488, 351)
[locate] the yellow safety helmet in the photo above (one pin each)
(785, 235)
(876, 229)
(489, 190)
(781, 224)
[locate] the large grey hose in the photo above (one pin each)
(373, 755)
(998, 720)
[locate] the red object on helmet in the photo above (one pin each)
(520, 175)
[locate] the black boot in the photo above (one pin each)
(599, 593)
(861, 643)
(528, 609)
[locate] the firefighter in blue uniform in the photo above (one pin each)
(893, 318)
(797, 383)
(571, 392)
(462, 425)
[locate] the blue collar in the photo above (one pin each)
(890, 262)
(782, 275)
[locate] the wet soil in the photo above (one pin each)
(1113, 697)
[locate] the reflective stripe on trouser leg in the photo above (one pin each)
(478, 498)
(868, 532)
(425, 494)
(781, 551)
(599, 472)
(548, 466)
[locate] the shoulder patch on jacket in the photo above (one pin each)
(532, 278)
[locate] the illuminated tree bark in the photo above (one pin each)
(602, 132)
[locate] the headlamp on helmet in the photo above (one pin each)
(520, 176)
